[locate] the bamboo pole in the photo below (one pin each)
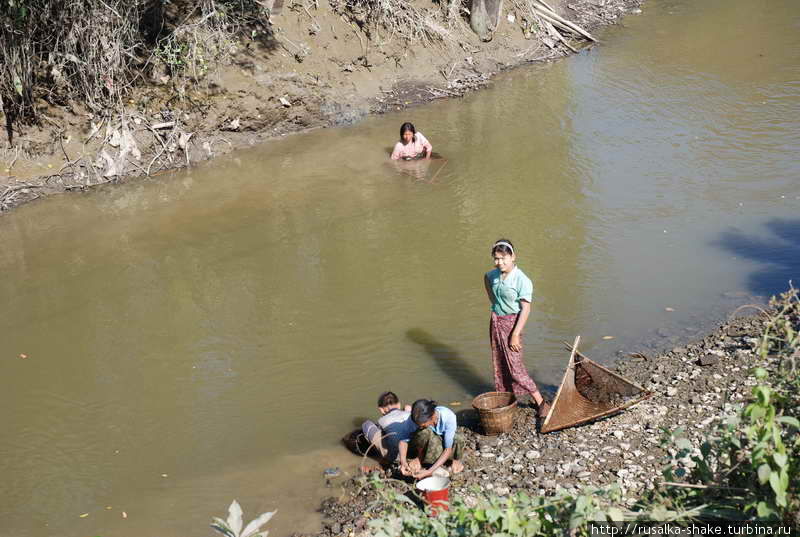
(440, 169)
(550, 14)
(560, 37)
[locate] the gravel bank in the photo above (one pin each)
(694, 386)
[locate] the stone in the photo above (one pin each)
(708, 359)
(488, 443)
(532, 454)
(502, 490)
(485, 17)
(517, 468)
(672, 392)
(619, 435)
(488, 455)
(584, 475)
(549, 483)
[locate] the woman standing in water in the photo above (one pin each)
(510, 294)
(412, 144)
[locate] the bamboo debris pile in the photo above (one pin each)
(552, 23)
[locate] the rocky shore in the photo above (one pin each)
(694, 386)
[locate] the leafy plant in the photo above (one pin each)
(232, 527)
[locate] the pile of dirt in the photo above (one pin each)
(695, 386)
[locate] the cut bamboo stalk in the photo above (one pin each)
(559, 36)
(545, 4)
(554, 22)
(571, 25)
(553, 15)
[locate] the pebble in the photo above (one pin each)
(619, 434)
(532, 454)
(708, 359)
(672, 392)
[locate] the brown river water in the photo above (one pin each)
(209, 336)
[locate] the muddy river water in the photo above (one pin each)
(209, 336)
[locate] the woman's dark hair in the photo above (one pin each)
(387, 399)
(407, 127)
(422, 410)
(503, 246)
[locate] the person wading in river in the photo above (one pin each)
(510, 294)
(412, 144)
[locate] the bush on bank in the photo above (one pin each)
(746, 469)
(93, 52)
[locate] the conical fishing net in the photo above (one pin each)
(589, 391)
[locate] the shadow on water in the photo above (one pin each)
(780, 253)
(450, 361)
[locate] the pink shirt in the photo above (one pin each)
(417, 145)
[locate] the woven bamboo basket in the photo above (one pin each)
(496, 411)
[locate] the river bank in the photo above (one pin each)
(695, 387)
(324, 67)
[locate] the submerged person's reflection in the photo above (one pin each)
(412, 144)
(418, 169)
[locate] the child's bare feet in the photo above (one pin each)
(457, 467)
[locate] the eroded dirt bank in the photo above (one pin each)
(694, 386)
(324, 67)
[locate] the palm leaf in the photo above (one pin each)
(255, 524)
(222, 527)
(235, 518)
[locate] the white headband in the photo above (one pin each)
(503, 243)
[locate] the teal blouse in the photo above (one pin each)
(507, 293)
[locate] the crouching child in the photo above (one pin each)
(394, 426)
(435, 442)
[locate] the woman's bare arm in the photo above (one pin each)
(488, 289)
(515, 342)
